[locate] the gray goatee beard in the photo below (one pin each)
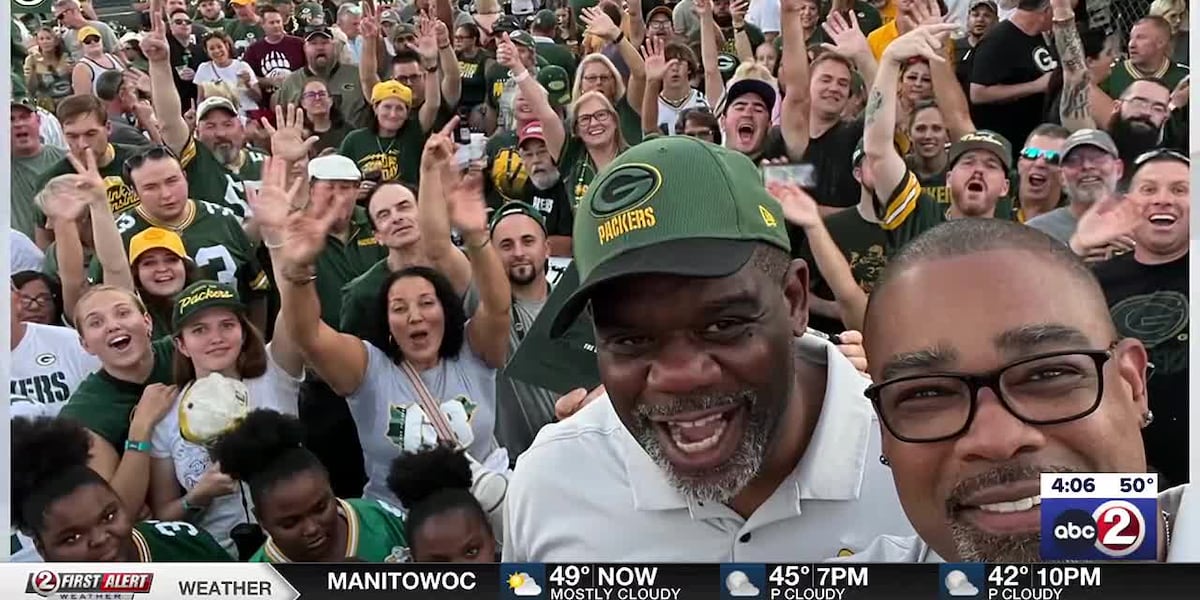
(973, 545)
(723, 483)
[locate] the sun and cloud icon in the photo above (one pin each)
(523, 584)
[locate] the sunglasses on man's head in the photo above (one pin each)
(1053, 157)
(138, 159)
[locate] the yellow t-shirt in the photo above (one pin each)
(879, 39)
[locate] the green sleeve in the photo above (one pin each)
(260, 556)
(909, 212)
(102, 409)
(355, 311)
(251, 276)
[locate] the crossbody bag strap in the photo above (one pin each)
(432, 408)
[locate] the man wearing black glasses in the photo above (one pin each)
(972, 416)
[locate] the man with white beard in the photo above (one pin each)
(1091, 170)
(545, 191)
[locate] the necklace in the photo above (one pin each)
(1166, 532)
(675, 103)
(379, 144)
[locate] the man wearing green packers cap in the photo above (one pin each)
(723, 437)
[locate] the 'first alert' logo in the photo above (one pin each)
(86, 585)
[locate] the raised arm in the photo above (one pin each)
(801, 210)
(62, 204)
(887, 167)
(295, 239)
(951, 100)
(168, 106)
(741, 39)
(714, 84)
(488, 330)
(600, 25)
(110, 248)
(794, 78)
(535, 95)
(450, 75)
(656, 68)
(427, 47)
(368, 63)
(637, 22)
(433, 210)
(1074, 108)
(850, 42)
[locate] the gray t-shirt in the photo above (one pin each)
(385, 389)
(75, 48)
(521, 409)
(1059, 224)
(25, 175)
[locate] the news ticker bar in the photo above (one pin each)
(512, 581)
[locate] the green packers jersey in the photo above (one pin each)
(243, 35)
(396, 159)
(121, 196)
(1124, 73)
(176, 541)
(935, 186)
(104, 404)
(213, 238)
(360, 306)
(910, 211)
(212, 181)
(375, 533)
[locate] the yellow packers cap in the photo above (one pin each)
(156, 237)
(242, 2)
(674, 205)
(87, 31)
(391, 89)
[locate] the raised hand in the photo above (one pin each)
(427, 41)
(443, 34)
(369, 27)
(88, 181)
(506, 54)
(927, 12)
(156, 400)
(288, 141)
(440, 147)
(847, 38)
(1106, 224)
(154, 44)
(799, 208)
(273, 202)
(468, 209)
(926, 41)
(738, 10)
(600, 24)
(657, 64)
(703, 8)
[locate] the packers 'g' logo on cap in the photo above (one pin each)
(626, 187)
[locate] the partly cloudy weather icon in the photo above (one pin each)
(738, 584)
(957, 584)
(523, 584)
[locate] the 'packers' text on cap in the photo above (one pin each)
(982, 140)
(516, 207)
(156, 237)
(673, 205)
(385, 90)
(557, 84)
(1090, 137)
(200, 296)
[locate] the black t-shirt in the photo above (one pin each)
(1007, 56)
(554, 206)
(1150, 303)
(832, 161)
(864, 245)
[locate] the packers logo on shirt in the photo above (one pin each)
(121, 197)
(508, 174)
(45, 360)
(386, 164)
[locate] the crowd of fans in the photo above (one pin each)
(426, 281)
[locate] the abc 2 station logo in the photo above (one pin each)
(1099, 516)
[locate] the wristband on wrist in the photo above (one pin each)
(143, 447)
(620, 36)
(522, 77)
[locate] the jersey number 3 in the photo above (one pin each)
(218, 260)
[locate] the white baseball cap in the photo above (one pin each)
(212, 103)
(333, 167)
(211, 406)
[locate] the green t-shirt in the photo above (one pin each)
(176, 541)
(631, 121)
(1124, 73)
(730, 46)
(341, 262)
(121, 196)
(243, 35)
(50, 261)
(361, 310)
(397, 158)
(27, 180)
(213, 238)
(212, 181)
(218, 25)
(104, 404)
(345, 92)
(375, 534)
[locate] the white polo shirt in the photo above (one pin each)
(1176, 502)
(586, 491)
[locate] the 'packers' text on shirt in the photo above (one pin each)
(623, 223)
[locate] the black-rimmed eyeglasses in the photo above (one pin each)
(1045, 389)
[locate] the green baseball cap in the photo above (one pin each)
(557, 82)
(515, 207)
(675, 205)
(310, 12)
(523, 38)
(200, 296)
(544, 20)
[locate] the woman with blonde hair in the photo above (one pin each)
(1177, 15)
(48, 70)
(595, 139)
(596, 72)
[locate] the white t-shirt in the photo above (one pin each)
(47, 365)
(209, 72)
(275, 390)
(764, 14)
(24, 255)
(668, 115)
(837, 500)
(385, 388)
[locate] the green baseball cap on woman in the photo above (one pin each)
(671, 205)
(201, 296)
